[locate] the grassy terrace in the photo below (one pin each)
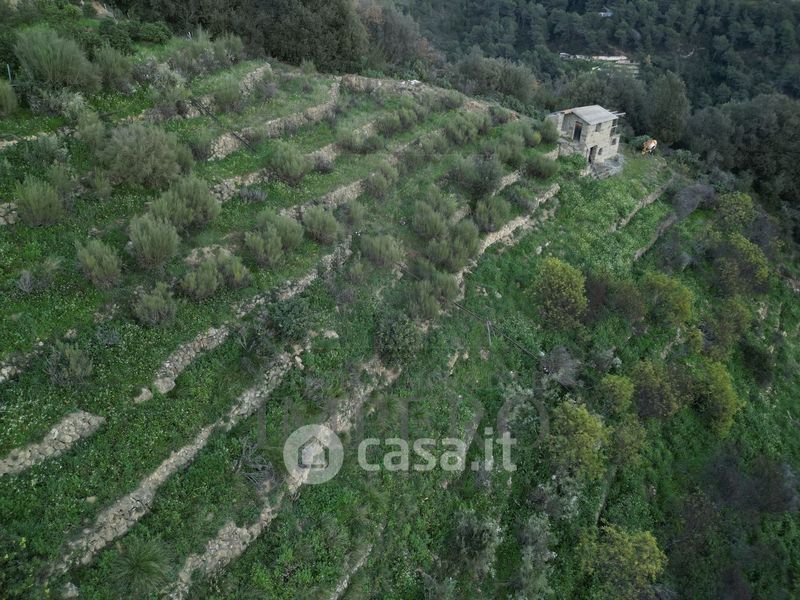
(180, 504)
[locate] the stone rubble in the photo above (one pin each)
(8, 213)
(57, 441)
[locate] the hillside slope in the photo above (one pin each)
(202, 260)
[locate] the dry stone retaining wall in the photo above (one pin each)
(58, 440)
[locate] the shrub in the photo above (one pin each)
(716, 398)
(453, 252)
(500, 115)
(445, 205)
(491, 214)
(199, 55)
(381, 250)
(265, 246)
(8, 99)
(507, 149)
(170, 101)
(380, 182)
(320, 225)
(530, 134)
(147, 156)
(157, 307)
(433, 146)
(63, 182)
(355, 215)
(740, 266)
(38, 203)
(202, 281)
(448, 100)
(154, 241)
(548, 131)
(559, 293)
(422, 300)
(540, 166)
(100, 264)
(654, 395)
(359, 143)
(427, 223)
(140, 569)
(233, 271)
(67, 364)
(323, 164)
(201, 143)
(615, 394)
(289, 230)
(669, 300)
(45, 151)
(51, 62)
(187, 203)
(477, 176)
(396, 338)
(228, 95)
(90, 129)
(114, 68)
(389, 124)
(577, 441)
(290, 320)
(460, 131)
(288, 164)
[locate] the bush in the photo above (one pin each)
(321, 225)
(90, 129)
(355, 215)
(615, 394)
(379, 183)
(453, 252)
(200, 55)
(8, 99)
(63, 182)
(427, 223)
(290, 320)
(68, 365)
(396, 338)
(548, 131)
(202, 281)
(669, 300)
(154, 241)
(422, 300)
(228, 95)
(233, 271)
(289, 230)
(157, 307)
(492, 214)
(288, 164)
(265, 246)
(477, 176)
(115, 69)
(433, 146)
(358, 143)
(540, 166)
(100, 264)
(381, 250)
(655, 395)
(460, 131)
(530, 135)
(559, 293)
(716, 397)
(38, 203)
(140, 569)
(508, 150)
(389, 124)
(187, 203)
(201, 143)
(45, 151)
(500, 115)
(51, 62)
(142, 155)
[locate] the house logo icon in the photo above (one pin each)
(313, 454)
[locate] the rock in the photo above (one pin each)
(91, 499)
(144, 395)
(70, 590)
(71, 334)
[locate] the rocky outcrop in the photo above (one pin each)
(58, 440)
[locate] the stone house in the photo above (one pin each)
(590, 131)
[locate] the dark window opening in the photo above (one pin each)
(576, 136)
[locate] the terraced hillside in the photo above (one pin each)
(193, 271)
